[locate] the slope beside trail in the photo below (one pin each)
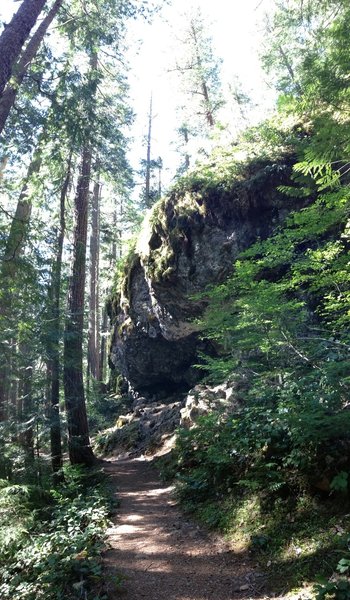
(159, 553)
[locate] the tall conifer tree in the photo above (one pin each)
(14, 36)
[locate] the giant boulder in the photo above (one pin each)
(189, 240)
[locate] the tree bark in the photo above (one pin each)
(8, 274)
(14, 403)
(55, 333)
(93, 346)
(26, 436)
(114, 238)
(98, 316)
(9, 94)
(148, 157)
(80, 451)
(186, 140)
(103, 347)
(19, 226)
(14, 36)
(205, 92)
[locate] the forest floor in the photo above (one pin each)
(157, 553)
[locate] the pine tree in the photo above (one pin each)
(14, 36)
(199, 71)
(54, 330)
(80, 451)
(312, 76)
(83, 118)
(94, 325)
(8, 97)
(9, 271)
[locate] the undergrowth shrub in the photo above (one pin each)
(258, 475)
(51, 540)
(283, 444)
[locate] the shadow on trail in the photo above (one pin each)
(163, 555)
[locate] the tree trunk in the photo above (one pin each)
(80, 451)
(13, 395)
(93, 355)
(187, 156)
(205, 92)
(120, 227)
(19, 226)
(25, 416)
(55, 333)
(103, 348)
(148, 158)
(15, 34)
(8, 275)
(114, 238)
(8, 97)
(160, 179)
(208, 110)
(98, 316)
(288, 65)
(116, 252)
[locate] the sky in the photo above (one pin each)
(237, 32)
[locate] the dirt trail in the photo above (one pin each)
(160, 553)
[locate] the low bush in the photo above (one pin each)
(254, 479)
(51, 540)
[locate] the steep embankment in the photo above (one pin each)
(190, 240)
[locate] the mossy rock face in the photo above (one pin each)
(190, 240)
(143, 430)
(118, 440)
